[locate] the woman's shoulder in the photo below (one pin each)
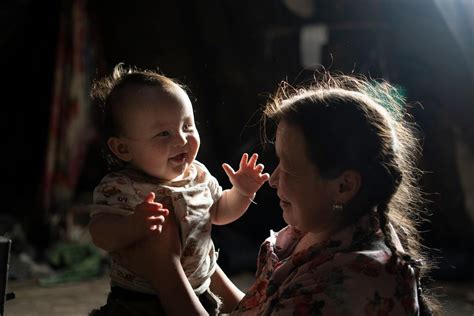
(376, 263)
(374, 270)
(364, 281)
(379, 280)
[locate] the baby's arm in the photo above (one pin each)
(223, 287)
(113, 232)
(235, 201)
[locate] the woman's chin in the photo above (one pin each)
(288, 218)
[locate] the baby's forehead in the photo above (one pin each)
(134, 92)
(154, 96)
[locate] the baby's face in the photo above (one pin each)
(161, 135)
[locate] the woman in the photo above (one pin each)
(346, 181)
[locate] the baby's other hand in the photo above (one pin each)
(149, 215)
(249, 178)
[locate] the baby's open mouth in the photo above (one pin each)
(178, 159)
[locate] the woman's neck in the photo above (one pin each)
(314, 238)
(310, 239)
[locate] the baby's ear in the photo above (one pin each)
(120, 148)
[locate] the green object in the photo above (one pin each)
(391, 97)
(75, 262)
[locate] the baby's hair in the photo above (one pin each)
(108, 94)
(351, 123)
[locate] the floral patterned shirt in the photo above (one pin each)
(353, 273)
(190, 199)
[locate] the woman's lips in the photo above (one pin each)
(282, 200)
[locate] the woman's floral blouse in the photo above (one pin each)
(353, 273)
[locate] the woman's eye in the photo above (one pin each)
(283, 169)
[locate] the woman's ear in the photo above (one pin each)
(349, 183)
(120, 148)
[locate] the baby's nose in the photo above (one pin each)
(180, 140)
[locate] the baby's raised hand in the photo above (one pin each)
(249, 178)
(149, 215)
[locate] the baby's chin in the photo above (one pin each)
(180, 173)
(168, 176)
(172, 172)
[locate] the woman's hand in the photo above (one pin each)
(157, 259)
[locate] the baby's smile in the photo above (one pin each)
(178, 159)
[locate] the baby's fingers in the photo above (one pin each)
(264, 177)
(159, 219)
(156, 223)
(259, 168)
(150, 198)
(228, 170)
(243, 161)
(161, 212)
(253, 160)
(144, 206)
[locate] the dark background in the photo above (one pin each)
(232, 55)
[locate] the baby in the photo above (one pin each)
(151, 144)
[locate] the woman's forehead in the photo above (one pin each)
(290, 146)
(287, 134)
(289, 140)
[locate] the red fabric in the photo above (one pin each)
(70, 126)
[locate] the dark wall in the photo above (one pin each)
(231, 55)
(28, 39)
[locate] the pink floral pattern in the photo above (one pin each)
(353, 273)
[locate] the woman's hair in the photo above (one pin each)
(111, 94)
(350, 123)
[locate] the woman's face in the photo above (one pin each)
(305, 198)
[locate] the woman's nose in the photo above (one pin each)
(273, 181)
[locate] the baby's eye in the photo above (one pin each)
(187, 127)
(163, 134)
